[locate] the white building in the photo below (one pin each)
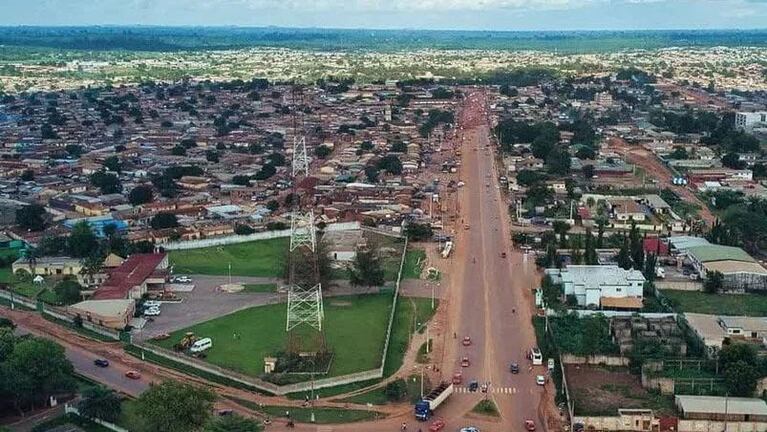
(606, 286)
(750, 120)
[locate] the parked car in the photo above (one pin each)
(152, 304)
(152, 311)
(540, 380)
(437, 425)
(514, 368)
(101, 363)
(133, 374)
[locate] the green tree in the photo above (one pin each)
(396, 391)
(714, 282)
(740, 379)
(636, 247)
(233, 423)
(561, 228)
(322, 151)
(419, 232)
(590, 256)
(36, 369)
(624, 255)
(107, 182)
(390, 164)
(174, 407)
(366, 268)
(650, 263)
(100, 403)
(67, 291)
(27, 175)
(164, 220)
(273, 205)
(82, 241)
(31, 217)
(178, 151)
(112, 163)
(141, 194)
(211, 156)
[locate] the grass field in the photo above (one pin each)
(261, 288)
(718, 304)
(486, 407)
(411, 268)
(258, 258)
(411, 312)
(355, 331)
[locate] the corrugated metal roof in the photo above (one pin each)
(728, 266)
(721, 405)
(710, 253)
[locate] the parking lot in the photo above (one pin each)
(205, 302)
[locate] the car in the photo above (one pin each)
(466, 341)
(101, 363)
(466, 226)
(483, 388)
(514, 368)
(133, 374)
(529, 425)
(457, 378)
(152, 311)
(437, 425)
(540, 380)
(469, 429)
(473, 385)
(225, 412)
(503, 254)
(465, 362)
(152, 304)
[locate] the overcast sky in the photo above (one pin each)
(422, 14)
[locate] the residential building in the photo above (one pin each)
(603, 286)
(134, 277)
(750, 120)
(718, 408)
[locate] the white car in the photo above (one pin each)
(152, 304)
(540, 380)
(152, 311)
(182, 279)
(469, 429)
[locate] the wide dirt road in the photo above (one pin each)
(491, 295)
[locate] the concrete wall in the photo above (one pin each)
(234, 239)
(715, 426)
(69, 409)
(595, 360)
(688, 285)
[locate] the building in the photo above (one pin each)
(744, 327)
(627, 210)
(748, 121)
(134, 277)
(740, 270)
(605, 286)
(49, 266)
(734, 409)
(603, 99)
(115, 314)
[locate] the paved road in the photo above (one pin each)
(487, 288)
(112, 376)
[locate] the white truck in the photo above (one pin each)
(426, 406)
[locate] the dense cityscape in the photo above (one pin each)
(465, 238)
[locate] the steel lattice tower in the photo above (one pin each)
(304, 303)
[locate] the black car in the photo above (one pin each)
(101, 362)
(514, 368)
(473, 386)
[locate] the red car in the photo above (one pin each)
(457, 378)
(437, 425)
(465, 362)
(466, 341)
(133, 374)
(529, 425)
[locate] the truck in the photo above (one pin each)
(425, 407)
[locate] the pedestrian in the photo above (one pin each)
(404, 426)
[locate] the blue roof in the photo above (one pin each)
(98, 223)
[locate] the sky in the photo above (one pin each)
(413, 14)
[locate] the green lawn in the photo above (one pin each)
(27, 289)
(355, 329)
(5, 274)
(410, 313)
(718, 304)
(486, 407)
(258, 258)
(261, 288)
(321, 415)
(377, 396)
(414, 259)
